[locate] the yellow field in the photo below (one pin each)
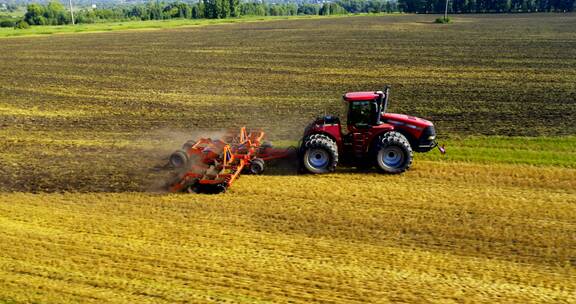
(444, 232)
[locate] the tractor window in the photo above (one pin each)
(361, 113)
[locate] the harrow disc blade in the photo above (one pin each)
(211, 188)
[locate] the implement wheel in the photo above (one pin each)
(319, 154)
(191, 186)
(187, 145)
(178, 159)
(256, 166)
(394, 154)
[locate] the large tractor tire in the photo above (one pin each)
(319, 154)
(393, 153)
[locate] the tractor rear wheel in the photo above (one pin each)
(319, 154)
(393, 154)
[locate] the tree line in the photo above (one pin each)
(55, 13)
(486, 6)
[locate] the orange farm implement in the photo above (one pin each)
(212, 165)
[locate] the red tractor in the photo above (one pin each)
(374, 138)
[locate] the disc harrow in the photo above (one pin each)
(212, 165)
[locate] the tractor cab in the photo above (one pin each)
(365, 108)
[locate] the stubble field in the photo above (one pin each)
(84, 119)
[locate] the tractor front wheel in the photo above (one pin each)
(319, 154)
(394, 154)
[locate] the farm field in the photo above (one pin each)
(443, 232)
(85, 119)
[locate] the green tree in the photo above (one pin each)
(223, 8)
(211, 9)
(56, 13)
(234, 8)
(22, 24)
(7, 23)
(325, 9)
(502, 5)
(198, 10)
(33, 14)
(309, 9)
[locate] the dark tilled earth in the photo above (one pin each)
(110, 96)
